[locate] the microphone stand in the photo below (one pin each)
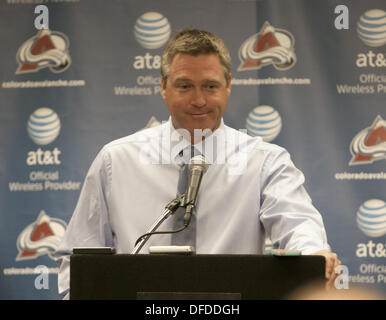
(187, 200)
(170, 209)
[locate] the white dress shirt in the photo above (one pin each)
(251, 191)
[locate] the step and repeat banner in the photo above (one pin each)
(308, 75)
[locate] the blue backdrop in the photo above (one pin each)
(93, 76)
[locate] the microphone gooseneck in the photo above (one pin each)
(197, 168)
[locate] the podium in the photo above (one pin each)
(190, 277)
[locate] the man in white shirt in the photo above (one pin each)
(251, 189)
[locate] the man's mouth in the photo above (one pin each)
(199, 114)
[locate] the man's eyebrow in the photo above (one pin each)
(212, 81)
(209, 80)
(182, 79)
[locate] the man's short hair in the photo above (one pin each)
(194, 42)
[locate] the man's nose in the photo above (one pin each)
(198, 98)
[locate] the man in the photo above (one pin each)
(251, 189)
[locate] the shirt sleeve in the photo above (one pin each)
(287, 213)
(89, 225)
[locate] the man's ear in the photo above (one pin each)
(229, 84)
(163, 88)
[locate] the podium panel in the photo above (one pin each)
(164, 276)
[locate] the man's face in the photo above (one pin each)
(196, 92)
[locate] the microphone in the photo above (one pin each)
(197, 168)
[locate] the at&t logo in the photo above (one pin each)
(43, 127)
(371, 220)
(265, 122)
(152, 30)
(371, 29)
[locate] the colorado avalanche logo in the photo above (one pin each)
(369, 145)
(48, 49)
(40, 237)
(269, 46)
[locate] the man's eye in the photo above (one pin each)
(183, 86)
(212, 86)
